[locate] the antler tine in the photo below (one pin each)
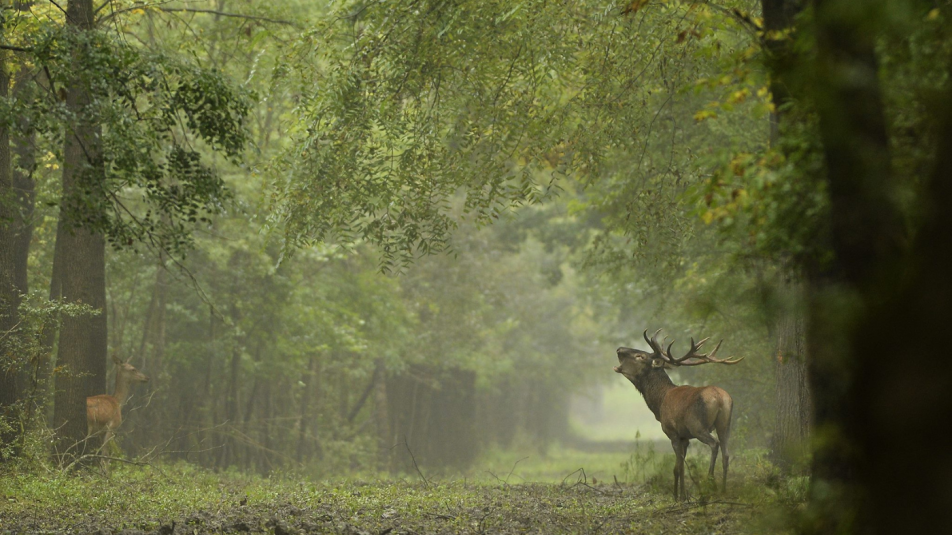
(709, 359)
(701, 357)
(653, 342)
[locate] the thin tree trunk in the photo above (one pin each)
(310, 380)
(229, 455)
(150, 352)
(382, 419)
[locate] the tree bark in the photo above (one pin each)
(794, 408)
(9, 292)
(82, 338)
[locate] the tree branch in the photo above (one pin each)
(225, 14)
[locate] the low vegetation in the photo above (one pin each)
(565, 491)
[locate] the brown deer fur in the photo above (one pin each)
(104, 412)
(685, 412)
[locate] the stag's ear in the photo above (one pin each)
(657, 363)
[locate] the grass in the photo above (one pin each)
(538, 494)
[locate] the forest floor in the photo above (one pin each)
(181, 499)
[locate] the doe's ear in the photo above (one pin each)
(116, 359)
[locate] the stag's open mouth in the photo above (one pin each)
(617, 369)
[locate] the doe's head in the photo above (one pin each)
(128, 371)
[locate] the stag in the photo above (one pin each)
(104, 412)
(685, 412)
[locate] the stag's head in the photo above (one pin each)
(633, 363)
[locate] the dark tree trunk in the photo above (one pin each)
(794, 409)
(82, 339)
(779, 18)
(866, 238)
(9, 292)
(23, 141)
(904, 373)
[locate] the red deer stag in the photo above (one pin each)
(685, 412)
(104, 412)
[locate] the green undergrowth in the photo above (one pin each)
(559, 492)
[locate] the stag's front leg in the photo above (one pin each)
(680, 451)
(678, 460)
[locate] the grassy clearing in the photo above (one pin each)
(181, 498)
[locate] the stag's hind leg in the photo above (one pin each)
(708, 439)
(723, 427)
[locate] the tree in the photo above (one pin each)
(132, 175)
(794, 410)
(16, 227)
(9, 290)
(82, 340)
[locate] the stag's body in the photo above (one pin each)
(685, 412)
(104, 412)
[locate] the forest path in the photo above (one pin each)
(402, 508)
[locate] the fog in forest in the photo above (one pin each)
(473, 266)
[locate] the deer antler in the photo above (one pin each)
(701, 358)
(653, 342)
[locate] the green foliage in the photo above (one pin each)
(153, 111)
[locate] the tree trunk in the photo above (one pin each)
(82, 339)
(151, 357)
(903, 391)
(382, 419)
(9, 292)
(23, 141)
(794, 410)
(866, 238)
(307, 378)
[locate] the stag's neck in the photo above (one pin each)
(123, 390)
(653, 385)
